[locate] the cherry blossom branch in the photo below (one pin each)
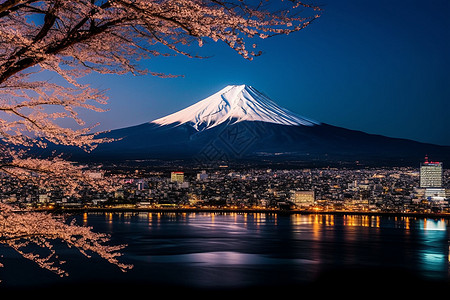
(19, 230)
(72, 39)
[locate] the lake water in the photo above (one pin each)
(244, 250)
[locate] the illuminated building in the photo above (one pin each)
(177, 177)
(430, 174)
(140, 185)
(202, 176)
(95, 175)
(303, 198)
(435, 192)
(431, 180)
(43, 198)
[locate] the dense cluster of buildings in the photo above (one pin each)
(396, 189)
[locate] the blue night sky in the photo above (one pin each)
(377, 66)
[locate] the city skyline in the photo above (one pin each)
(420, 190)
(379, 68)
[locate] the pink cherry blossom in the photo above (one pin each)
(47, 46)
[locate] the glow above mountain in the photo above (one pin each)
(234, 103)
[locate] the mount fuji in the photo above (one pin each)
(233, 104)
(239, 123)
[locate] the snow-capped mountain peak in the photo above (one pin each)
(234, 103)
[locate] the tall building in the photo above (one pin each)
(177, 177)
(430, 174)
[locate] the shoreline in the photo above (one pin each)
(245, 210)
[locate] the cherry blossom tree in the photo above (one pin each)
(22, 230)
(47, 46)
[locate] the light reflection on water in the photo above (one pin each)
(239, 249)
(225, 258)
(258, 239)
(433, 257)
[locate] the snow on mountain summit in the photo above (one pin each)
(234, 103)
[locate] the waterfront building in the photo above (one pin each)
(435, 192)
(431, 174)
(177, 177)
(303, 198)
